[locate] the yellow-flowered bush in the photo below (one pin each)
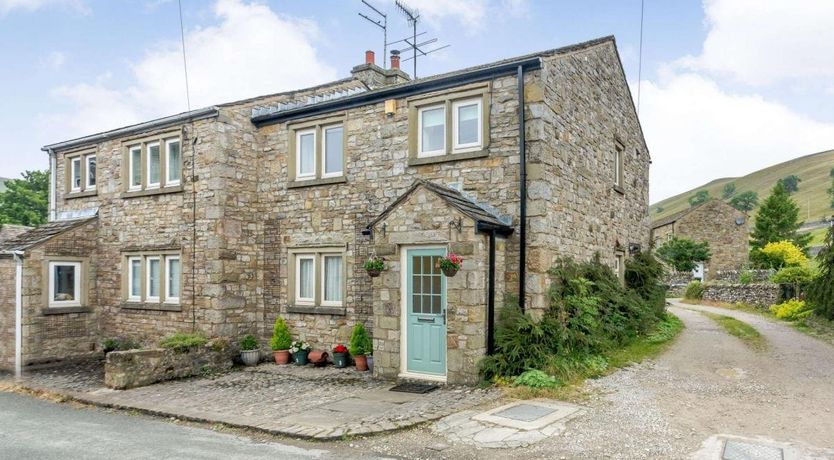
(791, 310)
(784, 254)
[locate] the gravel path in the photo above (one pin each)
(708, 383)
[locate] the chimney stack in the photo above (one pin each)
(395, 59)
(369, 57)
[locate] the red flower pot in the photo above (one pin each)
(318, 357)
(361, 363)
(281, 356)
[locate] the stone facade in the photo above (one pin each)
(716, 222)
(238, 215)
(760, 295)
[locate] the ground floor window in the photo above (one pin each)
(318, 277)
(153, 278)
(64, 284)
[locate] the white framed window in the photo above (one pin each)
(467, 125)
(173, 275)
(154, 167)
(305, 159)
(333, 151)
(153, 273)
(75, 174)
(431, 131)
(619, 162)
(305, 278)
(173, 162)
(65, 284)
(135, 167)
(134, 279)
(331, 280)
(90, 172)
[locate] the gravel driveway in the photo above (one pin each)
(708, 383)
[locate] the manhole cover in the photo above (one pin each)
(525, 412)
(740, 450)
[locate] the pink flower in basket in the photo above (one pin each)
(451, 262)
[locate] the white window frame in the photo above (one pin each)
(168, 181)
(75, 166)
(324, 301)
(76, 288)
(618, 165)
(130, 296)
(87, 174)
(324, 172)
(148, 183)
(298, 299)
(456, 146)
(167, 291)
(148, 297)
(431, 153)
(132, 166)
(298, 135)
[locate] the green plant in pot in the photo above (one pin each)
(340, 356)
(450, 265)
(300, 351)
(375, 266)
(250, 351)
(360, 346)
(281, 342)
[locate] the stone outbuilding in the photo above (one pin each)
(716, 222)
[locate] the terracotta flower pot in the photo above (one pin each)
(361, 363)
(281, 356)
(318, 357)
(450, 272)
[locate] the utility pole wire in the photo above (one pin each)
(184, 61)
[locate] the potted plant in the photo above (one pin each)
(340, 356)
(300, 351)
(450, 264)
(360, 346)
(281, 341)
(374, 266)
(250, 352)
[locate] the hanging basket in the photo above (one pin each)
(450, 272)
(373, 273)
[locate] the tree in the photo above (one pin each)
(25, 201)
(684, 254)
(791, 183)
(778, 220)
(702, 196)
(821, 290)
(831, 190)
(729, 190)
(745, 201)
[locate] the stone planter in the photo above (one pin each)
(250, 357)
(300, 358)
(281, 356)
(340, 360)
(136, 368)
(361, 363)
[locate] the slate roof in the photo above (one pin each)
(671, 218)
(40, 234)
(454, 199)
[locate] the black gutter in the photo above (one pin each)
(399, 91)
(522, 230)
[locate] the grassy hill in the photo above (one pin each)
(812, 197)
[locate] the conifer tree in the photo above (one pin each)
(778, 220)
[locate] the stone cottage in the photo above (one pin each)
(222, 219)
(716, 222)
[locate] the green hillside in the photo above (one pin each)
(812, 197)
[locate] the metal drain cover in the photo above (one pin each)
(741, 450)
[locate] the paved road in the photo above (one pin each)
(37, 429)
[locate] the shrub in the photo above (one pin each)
(821, 289)
(118, 344)
(281, 337)
(694, 291)
(360, 342)
(793, 275)
(182, 342)
(791, 310)
(535, 378)
(745, 277)
(643, 275)
(248, 343)
(782, 254)
(684, 254)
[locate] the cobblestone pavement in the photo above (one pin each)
(306, 402)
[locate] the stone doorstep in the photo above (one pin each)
(557, 411)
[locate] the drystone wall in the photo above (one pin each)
(759, 295)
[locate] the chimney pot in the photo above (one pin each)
(369, 57)
(395, 59)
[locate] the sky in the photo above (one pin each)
(726, 86)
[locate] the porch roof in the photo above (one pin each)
(40, 234)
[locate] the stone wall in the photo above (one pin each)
(7, 311)
(136, 368)
(759, 295)
(734, 276)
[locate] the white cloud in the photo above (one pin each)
(472, 14)
(54, 60)
(7, 6)
(251, 51)
(765, 42)
(698, 132)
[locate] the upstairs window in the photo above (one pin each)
(467, 120)
(333, 151)
(80, 173)
(432, 131)
(173, 164)
(449, 126)
(318, 152)
(306, 155)
(135, 168)
(619, 165)
(154, 163)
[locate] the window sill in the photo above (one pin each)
(619, 189)
(64, 310)
(316, 310)
(316, 182)
(483, 153)
(151, 306)
(84, 194)
(152, 191)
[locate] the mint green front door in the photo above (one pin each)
(426, 314)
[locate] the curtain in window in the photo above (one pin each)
(333, 278)
(333, 150)
(433, 127)
(153, 277)
(174, 274)
(91, 171)
(306, 154)
(153, 167)
(468, 124)
(135, 277)
(305, 278)
(173, 161)
(76, 173)
(136, 164)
